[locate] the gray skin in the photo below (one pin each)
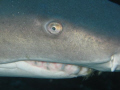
(90, 35)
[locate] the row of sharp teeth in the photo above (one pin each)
(70, 69)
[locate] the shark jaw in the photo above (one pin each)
(38, 69)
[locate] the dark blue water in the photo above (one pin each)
(105, 81)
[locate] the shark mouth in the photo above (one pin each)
(39, 69)
(71, 70)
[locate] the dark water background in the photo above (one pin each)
(105, 81)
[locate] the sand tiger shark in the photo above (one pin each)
(58, 38)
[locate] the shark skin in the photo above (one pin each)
(58, 39)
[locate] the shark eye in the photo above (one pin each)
(54, 28)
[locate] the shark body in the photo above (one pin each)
(58, 39)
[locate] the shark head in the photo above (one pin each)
(33, 44)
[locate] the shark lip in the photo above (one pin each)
(67, 68)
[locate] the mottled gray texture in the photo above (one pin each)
(91, 31)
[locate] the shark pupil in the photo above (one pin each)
(53, 28)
